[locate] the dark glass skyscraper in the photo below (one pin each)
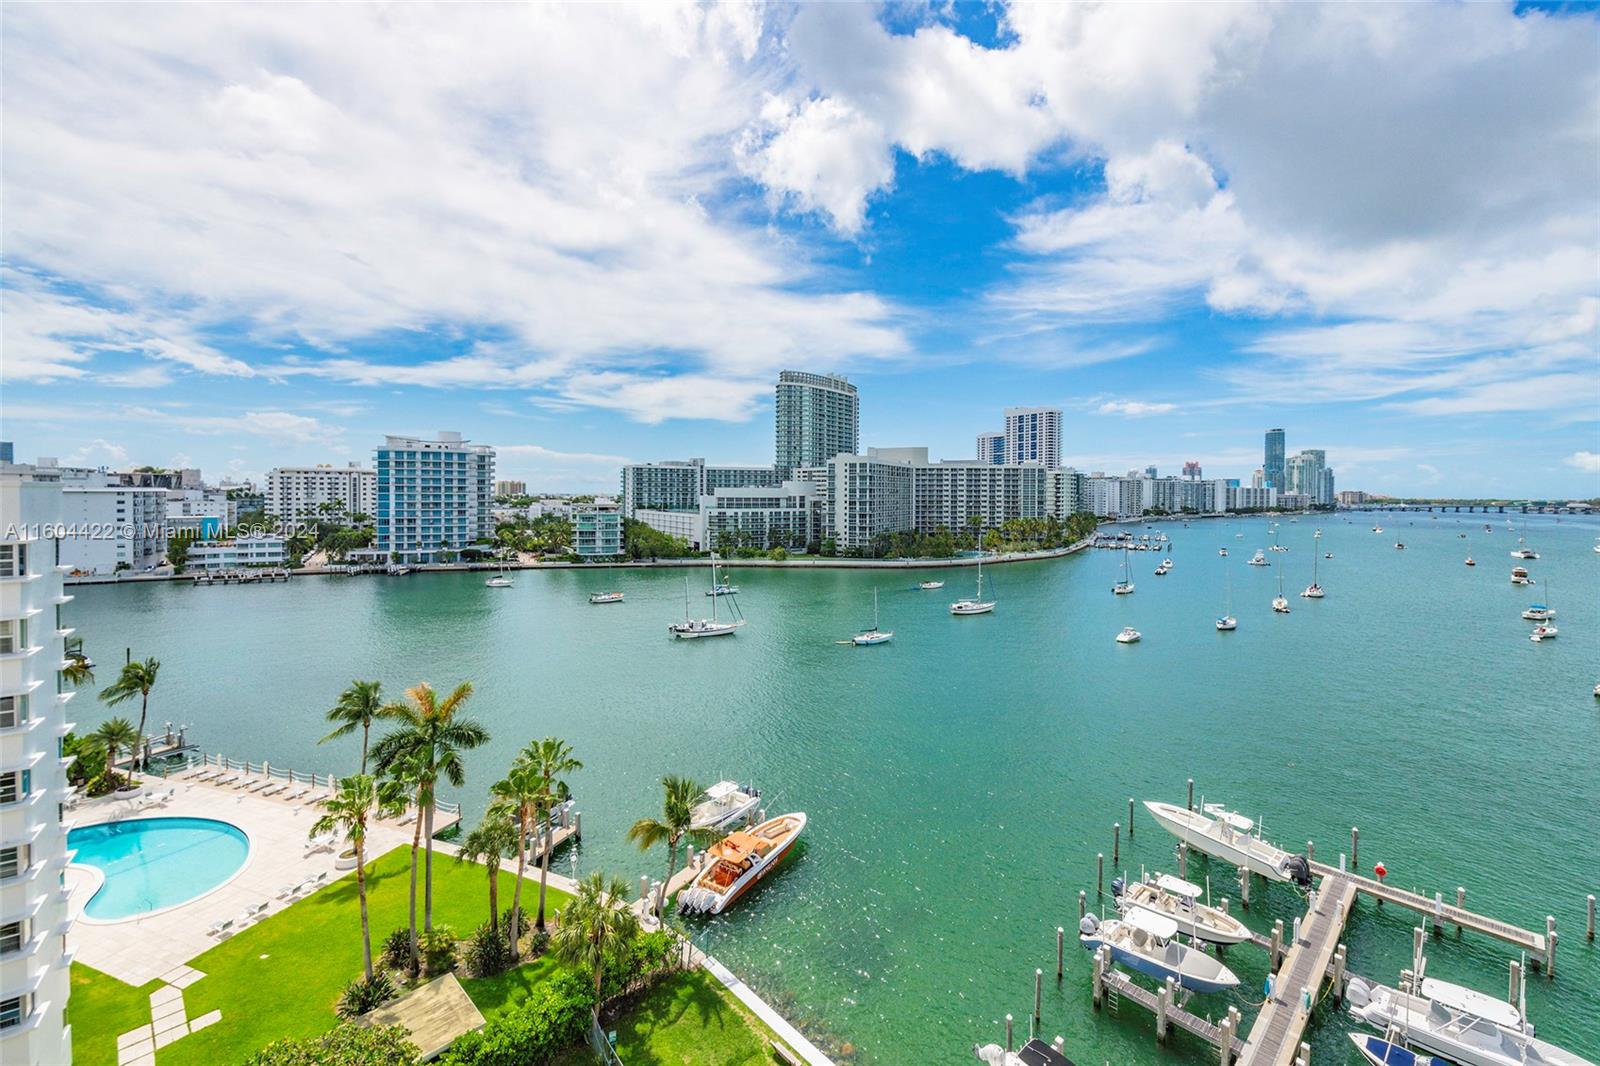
(1272, 465)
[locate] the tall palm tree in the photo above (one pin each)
(358, 799)
(114, 735)
(553, 757)
(595, 926)
(408, 772)
(488, 844)
(77, 670)
(136, 679)
(518, 799)
(430, 731)
(677, 802)
(359, 706)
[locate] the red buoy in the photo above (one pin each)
(1381, 870)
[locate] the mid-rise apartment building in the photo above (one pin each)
(510, 488)
(433, 496)
(321, 491)
(113, 527)
(992, 448)
(597, 532)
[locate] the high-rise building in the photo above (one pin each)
(992, 448)
(510, 488)
(136, 519)
(1150, 472)
(433, 496)
(321, 490)
(818, 416)
(871, 494)
(1272, 464)
(1191, 470)
(1033, 435)
(1258, 479)
(34, 914)
(1306, 474)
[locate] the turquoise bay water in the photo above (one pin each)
(960, 780)
(153, 863)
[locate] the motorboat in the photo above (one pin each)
(1034, 1053)
(1313, 591)
(605, 597)
(1377, 529)
(1460, 1025)
(929, 586)
(873, 635)
(724, 804)
(1280, 602)
(1125, 586)
(1380, 1052)
(1399, 546)
(1259, 558)
(1470, 561)
(1538, 612)
(739, 861)
(1523, 552)
(1544, 631)
(1222, 552)
(1161, 570)
(1146, 941)
(722, 588)
(1129, 635)
(1519, 576)
(1232, 837)
(1227, 623)
(976, 604)
(695, 628)
(1180, 900)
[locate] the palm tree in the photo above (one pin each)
(488, 844)
(114, 735)
(136, 679)
(678, 796)
(553, 757)
(359, 706)
(519, 797)
(408, 772)
(431, 732)
(359, 798)
(594, 927)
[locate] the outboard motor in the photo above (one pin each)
(1088, 925)
(1117, 885)
(1357, 993)
(1298, 870)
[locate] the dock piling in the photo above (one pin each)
(1304, 1058)
(1355, 847)
(1130, 817)
(1099, 979)
(1083, 904)
(1461, 904)
(1222, 904)
(1244, 887)
(1227, 1041)
(577, 825)
(1008, 1034)
(1116, 844)
(1276, 955)
(1191, 794)
(1038, 993)
(1438, 909)
(1514, 986)
(1589, 933)
(1311, 852)
(1061, 939)
(1339, 957)
(644, 886)
(1549, 945)
(1183, 859)
(1099, 873)
(1163, 1003)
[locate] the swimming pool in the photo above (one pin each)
(150, 864)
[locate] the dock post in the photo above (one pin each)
(1355, 847)
(1183, 859)
(1130, 817)
(1305, 1054)
(1008, 1034)
(1099, 979)
(1589, 934)
(1438, 911)
(1338, 973)
(1235, 1020)
(1099, 873)
(1083, 904)
(1061, 939)
(1038, 993)
(1277, 945)
(577, 826)
(1244, 887)
(1226, 1042)
(1116, 845)
(1549, 945)
(1311, 852)
(644, 886)
(1163, 1005)
(1222, 904)
(1461, 905)
(1191, 793)
(1514, 987)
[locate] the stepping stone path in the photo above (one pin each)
(168, 1020)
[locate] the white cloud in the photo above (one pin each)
(1588, 462)
(1134, 408)
(99, 452)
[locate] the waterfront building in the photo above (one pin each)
(1114, 497)
(1325, 493)
(1258, 479)
(1191, 470)
(1033, 435)
(305, 491)
(597, 532)
(1065, 493)
(954, 492)
(510, 488)
(677, 485)
(1150, 472)
(817, 416)
(871, 494)
(1272, 464)
(992, 448)
(1308, 475)
(789, 515)
(236, 553)
(113, 527)
(433, 496)
(1352, 498)
(34, 915)
(1294, 501)
(1205, 497)
(1161, 494)
(1252, 498)
(688, 526)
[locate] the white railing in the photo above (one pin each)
(299, 777)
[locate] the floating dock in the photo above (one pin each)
(1275, 1034)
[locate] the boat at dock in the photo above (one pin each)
(1463, 1026)
(739, 861)
(976, 604)
(1231, 837)
(1145, 941)
(724, 804)
(1180, 900)
(1034, 1053)
(605, 597)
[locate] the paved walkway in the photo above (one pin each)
(169, 1020)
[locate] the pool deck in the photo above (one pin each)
(140, 949)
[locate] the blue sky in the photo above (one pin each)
(236, 237)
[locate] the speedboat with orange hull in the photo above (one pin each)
(738, 861)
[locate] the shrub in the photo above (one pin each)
(438, 947)
(397, 949)
(488, 952)
(538, 943)
(361, 995)
(648, 957)
(347, 1045)
(553, 1017)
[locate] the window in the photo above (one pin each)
(13, 560)
(13, 711)
(13, 785)
(12, 1011)
(12, 636)
(13, 861)
(11, 936)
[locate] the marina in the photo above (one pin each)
(862, 939)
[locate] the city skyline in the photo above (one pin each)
(1168, 266)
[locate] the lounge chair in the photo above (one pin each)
(224, 779)
(296, 792)
(288, 891)
(219, 928)
(273, 790)
(259, 785)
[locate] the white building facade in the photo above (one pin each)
(1033, 435)
(112, 528)
(596, 533)
(34, 917)
(302, 491)
(433, 496)
(238, 553)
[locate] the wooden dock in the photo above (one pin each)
(1275, 1034)
(1537, 945)
(1118, 986)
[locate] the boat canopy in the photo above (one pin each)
(1472, 1002)
(1178, 887)
(722, 790)
(1037, 1053)
(1234, 819)
(1537, 607)
(1149, 922)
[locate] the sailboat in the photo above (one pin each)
(1546, 629)
(1228, 623)
(500, 580)
(694, 628)
(873, 635)
(1313, 591)
(977, 604)
(1279, 603)
(1125, 586)
(720, 588)
(1522, 551)
(1259, 559)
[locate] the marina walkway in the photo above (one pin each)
(1122, 986)
(1525, 939)
(1275, 1035)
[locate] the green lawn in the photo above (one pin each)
(498, 994)
(688, 1018)
(281, 977)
